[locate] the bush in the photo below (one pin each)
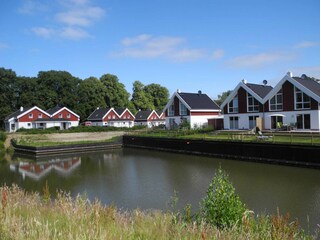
(221, 207)
(3, 136)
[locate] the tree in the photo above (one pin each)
(27, 89)
(116, 94)
(91, 93)
(57, 88)
(140, 98)
(158, 95)
(223, 97)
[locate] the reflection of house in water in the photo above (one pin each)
(40, 169)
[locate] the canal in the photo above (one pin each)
(135, 178)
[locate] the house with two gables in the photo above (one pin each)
(35, 117)
(149, 118)
(294, 102)
(111, 117)
(196, 108)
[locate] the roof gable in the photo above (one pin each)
(55, 110)
(99, 113)
(143, 115)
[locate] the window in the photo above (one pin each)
(40, 115)
(303, 121)
(109, 117)
(60, 115)
(276, 102)
(113, 116)
(276, 122)
(233, 105)
(252, 121)
(253, 104)
(303, 101)
(234, 122)
(183, 109)
(68, 115)
(29, 124)
(171, 110)
(30, 115)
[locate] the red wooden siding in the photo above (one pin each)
(288, 96)
(153, 117)
(111, 114)
(127, 116)
(242, 100)
(204, 113)
(64, 114)
(35, 112)
(176, 106)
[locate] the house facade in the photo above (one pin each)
(292, 103)
(149, 118)
(195, 108)
(111, 117)
(37, 118)
(63, 117)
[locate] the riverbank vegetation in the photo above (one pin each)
(3, 137)
(242, 136)
(36, 216)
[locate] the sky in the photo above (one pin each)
(207, 45)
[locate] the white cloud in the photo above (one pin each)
(259, 60)
(311, 71)
(72, 22)
(307, 44)
(217, 54)
(148, 46)
(32, 7)
(44, 32)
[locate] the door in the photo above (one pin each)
(276, 122)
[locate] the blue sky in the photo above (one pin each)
(207, 45)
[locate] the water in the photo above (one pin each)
(132, 178)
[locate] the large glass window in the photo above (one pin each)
(233, 105)
(276, 102)
(303, 101)
(234, 122)
(303, 121)
(183, 109)
(252, 121)
(171, 110)
(276, 122)
(253, 104)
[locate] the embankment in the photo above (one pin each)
(287, 154)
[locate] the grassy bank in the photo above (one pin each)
(34, 216)
(3, 137)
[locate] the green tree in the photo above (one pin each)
(91, 93)
(57, 87)
(158, 95)
(140, 98)
(8, 98)
(221, 207)
(116, 94)
(222, 97)
(27, 89)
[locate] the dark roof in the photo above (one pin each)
(119, 110)
(98, 113)
(16, 113)
(309, 83)
(199, 101)
(54, 109)
(260, 90)
(159, 113)
(143, 115)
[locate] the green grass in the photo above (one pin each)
(40, 141)
(34, 216)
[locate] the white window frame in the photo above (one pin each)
(68, 115)
(233, 108)
(171, 110)
(277, 106)
(60, 115)
(303, 102)
(40, 115)
(183, 109)
(30, 115)
(255, 107)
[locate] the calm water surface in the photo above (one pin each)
(132, 178)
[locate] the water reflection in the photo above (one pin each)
(38, 170)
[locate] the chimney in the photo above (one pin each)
(244, 81)
(178, 91)
(98, 108)
(21, 109)
(199, 92)
(289, 74)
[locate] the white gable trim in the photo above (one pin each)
(111, 109)
(128, 111)
(65, 108)
(171, 100)
(235, 92)
(31, 109)
(295, 83)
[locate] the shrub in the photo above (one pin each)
(3, 136)
(221, 207)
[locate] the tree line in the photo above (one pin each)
(51, 88)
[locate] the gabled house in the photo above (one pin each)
(63, 117)
(33, 117)
(294, 102)
(149, 118)
(196, 108)
(111, 117)
(244, 105)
